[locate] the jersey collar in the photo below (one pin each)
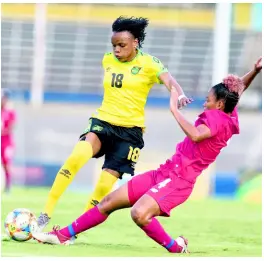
(138, 53)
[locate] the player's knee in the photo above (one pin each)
(105, 206)
(139, 216)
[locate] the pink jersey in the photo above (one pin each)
(191, 158)
(8, 117)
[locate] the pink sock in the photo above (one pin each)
(155, 231)
(89, 219)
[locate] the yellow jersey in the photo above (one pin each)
(126, 88)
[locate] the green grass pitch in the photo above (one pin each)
(214, 228)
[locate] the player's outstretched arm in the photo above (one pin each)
(249, 77)
(196, 134)
(169, 81)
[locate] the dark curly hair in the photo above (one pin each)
(136, 26)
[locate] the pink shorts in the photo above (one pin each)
(7, 152)
(168, 192)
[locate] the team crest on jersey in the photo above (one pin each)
(108, 69)
(135, 70)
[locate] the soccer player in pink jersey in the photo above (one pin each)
(8, 117)
(156, 192)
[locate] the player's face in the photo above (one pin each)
(211, 103)
(124, 46)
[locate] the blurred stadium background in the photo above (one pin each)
(51, 60)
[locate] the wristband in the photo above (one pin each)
(181, 96)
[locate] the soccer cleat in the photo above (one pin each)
(43, 221)
(72, 240)
(183, 242)
(53, 238)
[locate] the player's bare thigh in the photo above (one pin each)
(117, 199)
(120, 198)
(112, 172)
(93, 139)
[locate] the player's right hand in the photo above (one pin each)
(184, 101)
(258, 65)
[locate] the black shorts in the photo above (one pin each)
(120, 145)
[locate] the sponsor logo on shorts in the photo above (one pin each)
(97, 128)
(65, 173)
(88, 127)
(160, 185)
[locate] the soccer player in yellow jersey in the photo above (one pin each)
(115, 131)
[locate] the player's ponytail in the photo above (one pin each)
(229, 90)
(135, 25)
(234, 83)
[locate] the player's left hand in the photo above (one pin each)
(183, 101)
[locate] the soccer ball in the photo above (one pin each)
(20, 223)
